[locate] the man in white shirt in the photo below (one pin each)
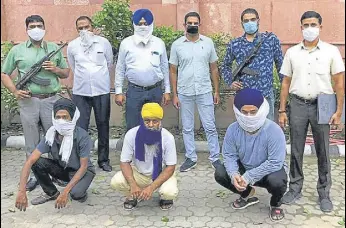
(309, 69)
(142, 60)
(90, 57)
(148, 160)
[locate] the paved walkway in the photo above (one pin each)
(201, 202)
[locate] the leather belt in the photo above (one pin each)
(43, 96)
(146, 88)
(305, 101)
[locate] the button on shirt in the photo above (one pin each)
(142, 64)
(169, 156)
(193, 59)
(269, 53)
(90, 67)
(312, 70)
(24, 55)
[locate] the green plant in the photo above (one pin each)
(115, 21)
(168, 35)
(8, 100)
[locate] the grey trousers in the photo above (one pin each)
(34, 113)
(301, 115)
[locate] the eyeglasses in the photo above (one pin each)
(248, 20)
(312, 25)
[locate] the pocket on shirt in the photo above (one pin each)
(155, 59)
(322, 69)
(99, 58)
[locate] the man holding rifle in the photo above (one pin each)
(37, 97)
(254, 53)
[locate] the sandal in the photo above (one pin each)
(241, 203)
(166, 204)
(276, 214)
(130, 204)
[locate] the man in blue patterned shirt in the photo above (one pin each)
(261, 64)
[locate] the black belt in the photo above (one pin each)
(305, 101)
(43, 96)
(146, 87)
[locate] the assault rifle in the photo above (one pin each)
(31, 75)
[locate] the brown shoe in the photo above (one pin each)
(43, 198)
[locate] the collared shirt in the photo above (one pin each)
(24, 55)
(193, 60)
(90, 67)
(141, 64)
(82, 146)
(261, 153)
(269, 53)
(169, 152)
(312, 70)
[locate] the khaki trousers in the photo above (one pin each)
(168, 190)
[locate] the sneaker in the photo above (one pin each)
(216, 164)
(291, 197)
(187, 165)
(326, 205)
(31, 184)
(43, 198)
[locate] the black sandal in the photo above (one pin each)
(166, 204)
(130, 204)
(241, 203)
(276, 214)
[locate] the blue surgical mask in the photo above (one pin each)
(250, 27)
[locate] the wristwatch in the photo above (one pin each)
(282, 111)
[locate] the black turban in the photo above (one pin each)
(64, 104)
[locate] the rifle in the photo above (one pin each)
(31, 75)
(241, 68)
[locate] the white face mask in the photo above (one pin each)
(310, 34)
(86, 38)
(64, 127)
(253, 123)
(36, 34)
(143, 33)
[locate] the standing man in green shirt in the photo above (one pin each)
(35, 103)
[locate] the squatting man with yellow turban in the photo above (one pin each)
(148, 161)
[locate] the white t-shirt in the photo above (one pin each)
(169, 152)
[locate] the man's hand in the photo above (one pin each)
(236, 86)
(283, 120)
(217, 98)
(243, 182)
(166, 99)
(237, 181)
(176, 102)
(147, 193)
(21, 201)
(336, 119)
(61, 201)
(21, 94)
(120, 99)
(50, 66)
(135, 191)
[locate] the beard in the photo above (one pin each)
(151, 150)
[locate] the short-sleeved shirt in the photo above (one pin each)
(24, 55)
(311, 70)
(169, 156)
(193, 59)
(82, 145)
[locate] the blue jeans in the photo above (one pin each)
(205, 106)
(135, 99)
(271, 101)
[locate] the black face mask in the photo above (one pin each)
(192, 29)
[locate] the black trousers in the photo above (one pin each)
(301, 115)
(45, 167)
(275, 183)
(101, 105)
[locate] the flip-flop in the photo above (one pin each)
(166, 204)
(276, 214)
(241, 203)
(130, 204)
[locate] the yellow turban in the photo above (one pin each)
(152, 110)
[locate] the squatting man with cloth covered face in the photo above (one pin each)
(36, 100)
(148, 160)
(254, 152)
(311, 67)
(70, 147)
(142, 60)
